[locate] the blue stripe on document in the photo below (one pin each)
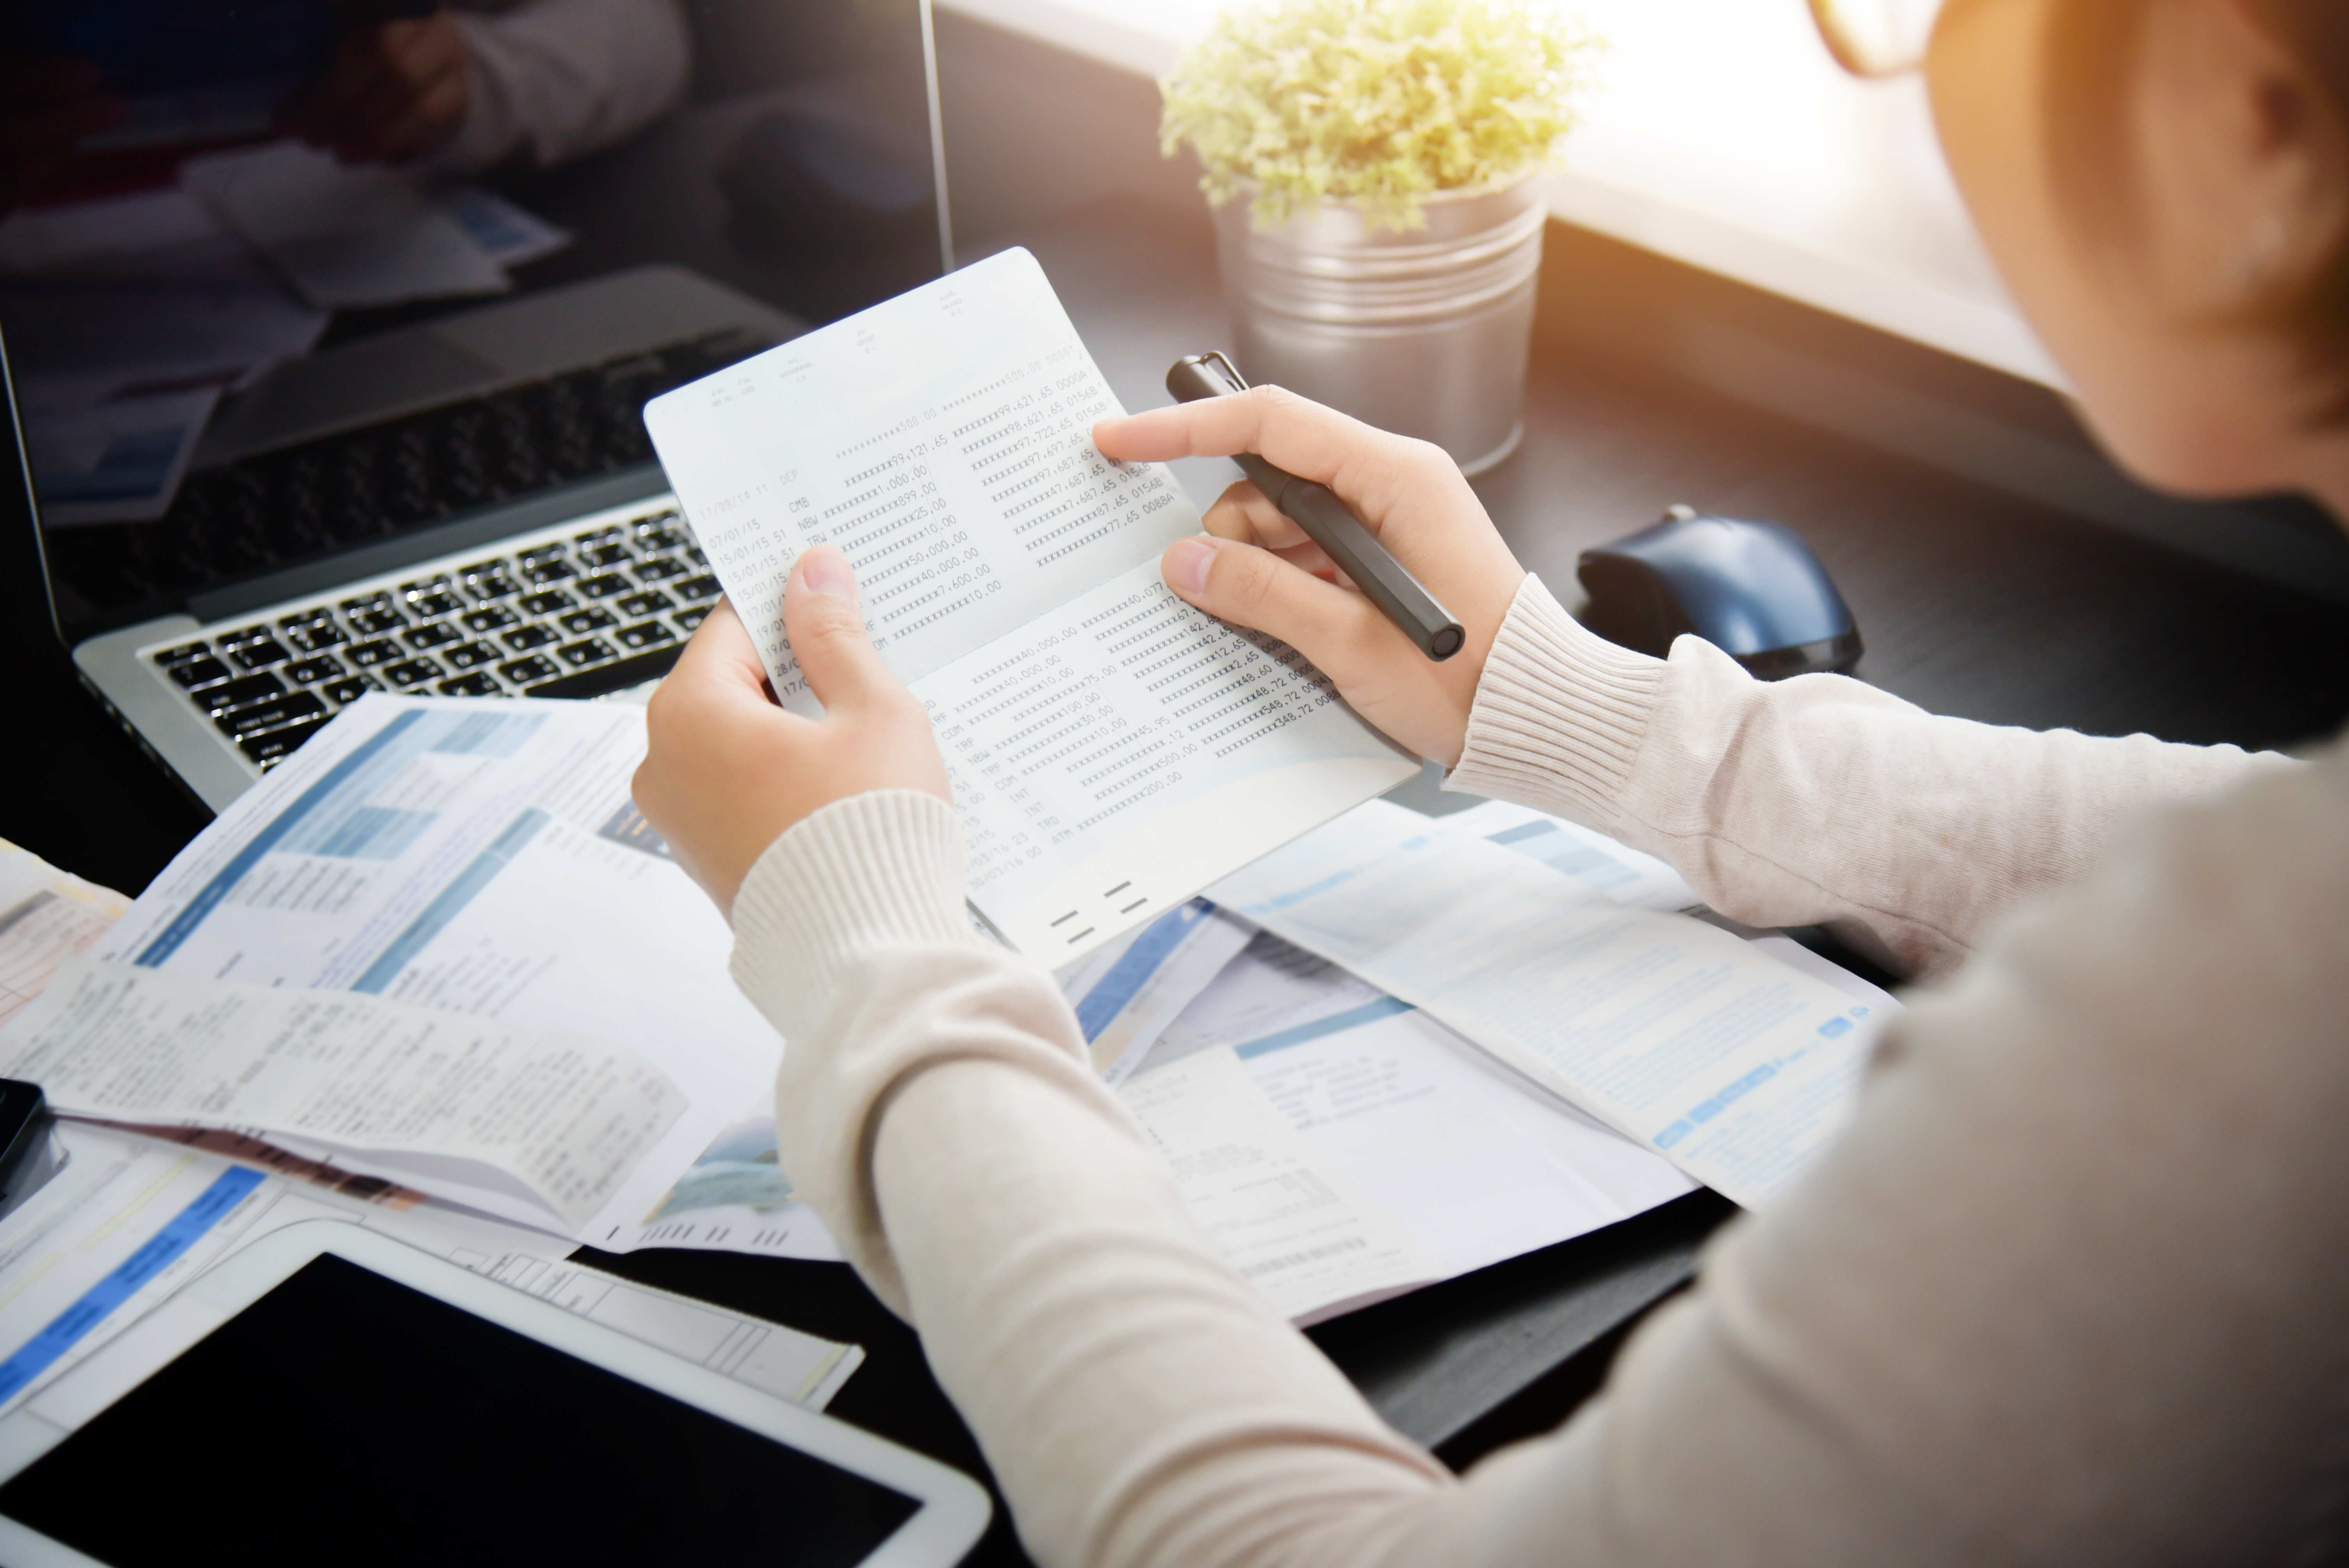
(1136, 965)
(185, 922)
(1351, 1019)
(158, 1253)
(453, 899)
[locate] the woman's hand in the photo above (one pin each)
(394, 93)
(728, 771)
(1260, 570)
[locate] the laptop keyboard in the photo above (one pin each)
(303, 502)
(573, 612)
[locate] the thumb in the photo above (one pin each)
(827, 627)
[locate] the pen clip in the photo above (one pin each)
(1239, 382)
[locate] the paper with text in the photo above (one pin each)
(563, 1118)
(1112, 748)
(1737, 1068)
(1274, 1210)
(482, 856)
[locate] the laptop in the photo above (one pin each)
(293, 425)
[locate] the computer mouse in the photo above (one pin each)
(1754, 590)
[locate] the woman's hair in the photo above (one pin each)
(2091, 48)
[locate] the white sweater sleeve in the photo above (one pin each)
(1817, 801)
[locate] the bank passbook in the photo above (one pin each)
(1112, 750)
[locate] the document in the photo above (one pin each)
(1112, 749)
(1127, 993)
(46, 916)
(345, 236)
(1735, 1067)
(482, 857)
(131, 1219)
(538, 1126)
(1463, 1160)
(1273, 1208)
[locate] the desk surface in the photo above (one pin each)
(1971, 603)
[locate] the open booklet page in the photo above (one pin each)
(1113, 750)
(482, 857)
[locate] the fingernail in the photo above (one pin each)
(1186, 566)
(827, 571)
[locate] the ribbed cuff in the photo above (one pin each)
(1560, 714)
(879, 870)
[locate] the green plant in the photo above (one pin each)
(1374, 102)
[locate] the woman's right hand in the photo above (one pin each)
(1259, 569)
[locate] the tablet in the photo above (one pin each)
(331, 1395)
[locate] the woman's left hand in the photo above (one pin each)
(728, 771)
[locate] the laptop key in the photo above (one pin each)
(415, 672)
(369, 623)
(352, 689)
(199, 672)
(529, 671)
(645, 604)
(658, 536)
(702, 587)
(579, 655)
(260, 654)
(605, 586)
(547, 572)
(691, 619)
(579, 622)
(479, 684)
(529, 637)
(316, 637)
(605, 554)
(438, 602)
(243, 634)
(491, 619)
(185, 653)
(547, 602)
(365, 654)
(659, 569)
(433, 634)
(237, 693)
(309, 672)
(540, 554)
(496, 585)
(270, 747)
(472, 653)
(274, 713)
(646, 636)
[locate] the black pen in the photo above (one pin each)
(1317, 510)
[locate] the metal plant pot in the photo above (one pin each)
(1422, 331)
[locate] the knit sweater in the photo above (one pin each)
(2069, 1289)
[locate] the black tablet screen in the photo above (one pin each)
(345, 1418)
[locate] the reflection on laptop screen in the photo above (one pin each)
(280, 279)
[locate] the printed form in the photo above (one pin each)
(1112, 749)
(1736, 1067)
(482, 857)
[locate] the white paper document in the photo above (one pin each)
(482, 857)
(1273, 1208)
(46, 916)
(543, 1127)
(1679, 1035)
(131, 1219)
(1112, 749)
(344, 235)
(1126, 994)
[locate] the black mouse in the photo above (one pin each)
(1754, 590)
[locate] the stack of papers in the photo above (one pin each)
(439, 949)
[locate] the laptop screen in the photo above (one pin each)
(282, 280)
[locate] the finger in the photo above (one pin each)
(1365, 465)
(720, 660)
(826, 626)
(1244, 514)
(1335, 627)
(428, 122)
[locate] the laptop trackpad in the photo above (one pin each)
(351, 387)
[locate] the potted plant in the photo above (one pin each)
(1370, 162)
